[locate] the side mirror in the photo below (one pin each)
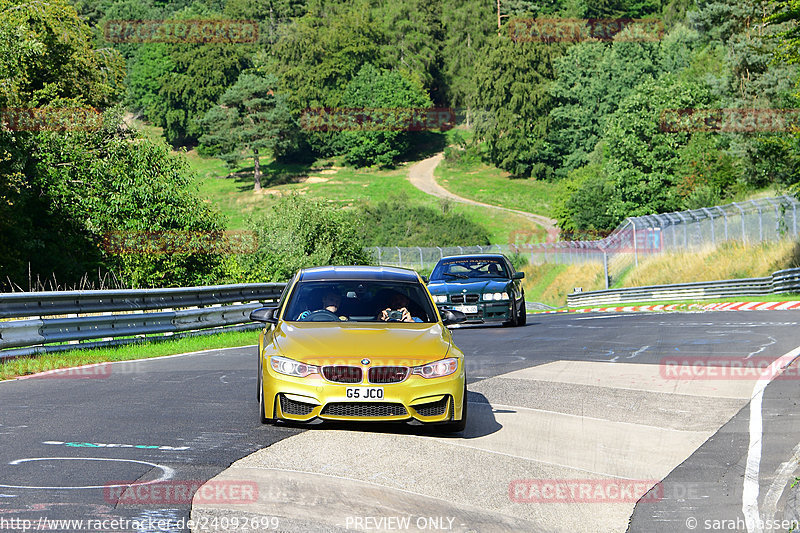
(425, 279)
(267, 315)
(518, 275)
(451, 316)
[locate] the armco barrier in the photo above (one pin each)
(781, 281)
(116, 317)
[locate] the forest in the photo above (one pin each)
(583, 111)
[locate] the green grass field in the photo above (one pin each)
(492, 186)
(30, 365)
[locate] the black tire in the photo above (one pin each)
(261, 403)
(514, 322)
(522, 317)
(459, 425)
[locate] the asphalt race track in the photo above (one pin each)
(573, 419)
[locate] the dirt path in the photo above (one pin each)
(421, 176)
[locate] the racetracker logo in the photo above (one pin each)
(98, 371)
(557, 30)
(201, 31)
(181, 492)
(585, 491)
(377, 119)
(730, 120)
(180, 242)
(725, 368)
(37, 119)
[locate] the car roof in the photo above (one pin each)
(381, 273)
(474, 256)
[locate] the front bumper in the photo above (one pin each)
(487, 312)
(425, 400)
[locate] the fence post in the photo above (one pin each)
(605, 266)
(635, 248)
(741, 211)
(441, 254)
(725, 218)
(760, 222)
(421, 264)
(399, 256)
(711, 216)
(379, 255)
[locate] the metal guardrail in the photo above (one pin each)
(115, 316)
(781, 281)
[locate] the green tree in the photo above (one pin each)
(375, 89)
(296, 232)
(250, 116)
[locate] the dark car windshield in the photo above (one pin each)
(357, 301)
(469, 268)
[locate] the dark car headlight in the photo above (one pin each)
(494, 296)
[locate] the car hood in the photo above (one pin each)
(322, 342)
(473, 286)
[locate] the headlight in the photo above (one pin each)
(437, 369)
(282, 365)
(440, 298)
(489, 296)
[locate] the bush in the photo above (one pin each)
(396, 223)
(298, 233)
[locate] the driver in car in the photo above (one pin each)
(331, 301)
(398, 310)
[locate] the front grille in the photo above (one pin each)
(387, 374)
(457, 298)
(472, 298)
(432, 408)
(342, 374)
(363, 409)
(291, 407)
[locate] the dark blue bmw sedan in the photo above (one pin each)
(485, 287)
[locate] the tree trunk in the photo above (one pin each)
(256, 170)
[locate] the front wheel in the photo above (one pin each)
(261, 402)
(522, 317)
(459, 425)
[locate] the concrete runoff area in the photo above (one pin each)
(350, 475)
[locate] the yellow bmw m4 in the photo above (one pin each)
(360, 344)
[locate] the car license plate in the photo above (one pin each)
(468, 309)
(365, 393)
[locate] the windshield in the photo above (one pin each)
(359, 301)
(469, 268)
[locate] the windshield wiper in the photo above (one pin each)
(462, 276)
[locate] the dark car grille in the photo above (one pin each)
(363, 409)
(291, 407)
(387, 374)
(461, 298)
(342, 374)
(432, 408)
